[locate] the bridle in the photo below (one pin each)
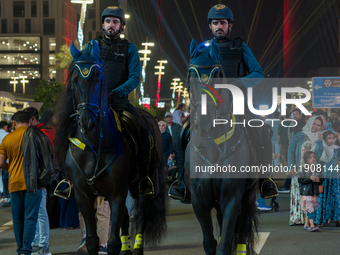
(93, 108)
(194, 68)
(96, 110)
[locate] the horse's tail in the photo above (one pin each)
(247, 228)
(156, 211)
(156, 217)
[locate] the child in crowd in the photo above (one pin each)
(326, 154)
(309, 181)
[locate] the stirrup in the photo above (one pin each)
(174, 196)
(272, 187)
(148, 191)
(65, 194)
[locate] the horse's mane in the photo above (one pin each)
(65, 125)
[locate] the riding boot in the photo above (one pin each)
(146, 186)
(178, 189)
(267, 186)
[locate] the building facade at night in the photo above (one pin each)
(31, 31)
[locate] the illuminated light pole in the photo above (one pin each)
(185, 95)
(145, 59)
(179, 90)
(159, 73)
(174, 87)
(80, 33)
(14, 82)
(23, 81)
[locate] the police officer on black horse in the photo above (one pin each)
(121, 66)
(238, 62)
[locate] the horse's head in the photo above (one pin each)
(88, 86)
(204, 69)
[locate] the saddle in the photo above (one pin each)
(130, 128)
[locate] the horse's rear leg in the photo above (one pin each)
(141, 221)
(204, 217)
(86, 207)
(125, 237)
(117, 216)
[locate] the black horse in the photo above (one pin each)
(99, 161)
(232, 195)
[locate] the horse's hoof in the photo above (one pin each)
(137, 252)
(125, 253)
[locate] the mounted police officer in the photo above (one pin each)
(240, 65)
(121, 66)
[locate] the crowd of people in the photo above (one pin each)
(170, 128)
(310, 150)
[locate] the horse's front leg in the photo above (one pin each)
(117, 216)
(203, 215)
(230, 209)
(86, 207)
(125, 237)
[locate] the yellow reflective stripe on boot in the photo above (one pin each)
(219, 239)
(241, 249)
(125, 243)
(138, 242)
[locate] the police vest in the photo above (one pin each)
(114, 54)
(232, 58)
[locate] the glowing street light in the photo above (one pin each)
(174, 87)
(159, 73)
(145, 59)
(179, 90)
(80, 33)
(14, 82)
(23, 81)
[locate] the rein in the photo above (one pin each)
(96, 110)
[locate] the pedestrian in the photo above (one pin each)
(282, 139)
(4, 200)
(103, 214)
(335, 119)
(23, 185)
(167, 147)
(179, 113)
(299, 124)
(35, 140)
(172, 128)
(309, 190)
(300, 143)
(326, 154)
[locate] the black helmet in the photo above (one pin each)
(220, 11)
(114, 11)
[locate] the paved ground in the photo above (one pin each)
(184, 235)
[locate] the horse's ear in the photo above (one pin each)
(95, 51)
(214, 51)
(73, 49)
(193, 49)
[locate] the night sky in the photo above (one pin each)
(311, 34)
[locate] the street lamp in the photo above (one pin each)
(174, 87)
(179, 90)
(159, 73)
(145, 59)
(80, 33)
(14, 82)
(185, 95)
(23, 81)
